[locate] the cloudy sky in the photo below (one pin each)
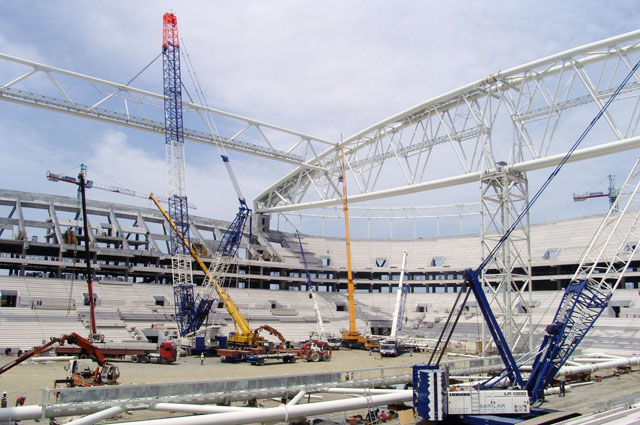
(325, 68)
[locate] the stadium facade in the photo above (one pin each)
(39, 238)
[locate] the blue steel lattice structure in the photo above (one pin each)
(174, 142)
(173, 131)
(584, 300)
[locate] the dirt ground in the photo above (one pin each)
(29, 378)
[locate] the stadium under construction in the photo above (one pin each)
(145, 262)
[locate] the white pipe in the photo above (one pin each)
(297, 398)
(52, 358)
(284, 412)
(358, 391)
(556, 390)
(98, 416)
(20, 413)
(571, 370)
(531, 165)
(196, 408)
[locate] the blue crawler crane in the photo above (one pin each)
(584, 300)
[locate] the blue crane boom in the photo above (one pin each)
(583, 301)
(183, 291)
(578, 296)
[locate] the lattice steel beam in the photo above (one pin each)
(518, 116)
(89, 97)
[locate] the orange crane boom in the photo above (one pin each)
(352, 337)
(72, 338)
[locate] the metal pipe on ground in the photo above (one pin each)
(572, 370)
(196, 408)
(98, 416)
(284, 412)
(297, 398)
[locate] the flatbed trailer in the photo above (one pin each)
(165, 353)
(257, 356)
(261, 359)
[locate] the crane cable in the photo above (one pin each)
(553, 174)
(201, 97)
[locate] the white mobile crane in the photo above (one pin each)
(311, 289)
(393, 345)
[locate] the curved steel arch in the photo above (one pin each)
(521, 117)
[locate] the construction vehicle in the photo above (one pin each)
(245, 341)
(103, 374)
(138, 352)
(244, 336)
(311, 351)
(394, 345)
(315, 351)
(261, 358)
(601, 270)
(82, 373)
(351, 338)
(320, 333)
(183, 288)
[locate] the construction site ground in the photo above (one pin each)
(29, 378)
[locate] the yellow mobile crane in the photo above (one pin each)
(351, 338)
(244, 336)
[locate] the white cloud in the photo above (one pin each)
(324, 68)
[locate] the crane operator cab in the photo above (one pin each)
(109, 374)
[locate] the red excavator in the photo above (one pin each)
(104, 374)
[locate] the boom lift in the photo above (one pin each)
(104, 374)
(585, 298)
(312, 293)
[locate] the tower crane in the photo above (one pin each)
(82, 184)
(586, 297)
(612, 193)
(183, 290)
(91, 184)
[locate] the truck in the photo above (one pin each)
(393, 347)
(311, 351)
(138, 352)
(207, 346)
